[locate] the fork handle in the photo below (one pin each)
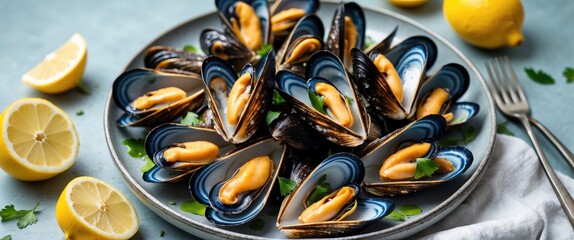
(557, 143)
(561, 192)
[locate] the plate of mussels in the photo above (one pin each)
(308, 120)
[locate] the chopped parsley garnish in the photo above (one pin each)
(321, 191)
(190, 49)
(318, 102)
(25, 217)
(191, 119)
(569, 74)
(539, 76)
(425, 168)
(286, 186)
(193, 207)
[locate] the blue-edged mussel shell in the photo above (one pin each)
(280, 33)
(336, 39)
(426, 129)
(308, 27)
(455, 79)
(261, 7)
(340, 169)
(169, 135)
(163, 57)
(136, 82)
(263, 79)
(411, 59)
(295, 90)
(205, 179)
(290, 129)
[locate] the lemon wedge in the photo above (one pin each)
(37, 140)
(90, 208)
(60, 70)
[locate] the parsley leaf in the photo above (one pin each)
(286, 186)
(25, 217)
(258, 224)
(82, 88)
(149, 164)
(161, 233)
(263, 50)
(194, 207)
(349, 99)
(271, 116)
(320, 191)
(396, 216)
(191, 119)
(7, 237)
(569, 74)
(318, 102)
(135, 147)
(277, 99)
(190, 49)
(501, 128)
(172, 203)
(410, 209)
(469, 134)
(79, 112)
(539, 76)
(425, 167)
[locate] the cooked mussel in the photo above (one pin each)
(347, 31)
(391, 161)
(391, 80)
(150, 97)
(304, 40)
(341, 211)
(178, 150)
(342, 119)
(439, 93)
(237, 186)
(239, 104)
(286, 13)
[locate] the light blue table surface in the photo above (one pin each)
(117, 30)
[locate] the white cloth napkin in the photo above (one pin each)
(514, 200)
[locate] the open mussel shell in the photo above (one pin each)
(289, 56)
(340, 169)
(339, 39)
(282, 24)
(455, 79)
(426, 129)
(295, 90)
(205, 179)
(411, 58)
(227, 12)
(226, 47)
(260, 94)
(163, 57)
(460, 157)
(134, 83)
(168, 135)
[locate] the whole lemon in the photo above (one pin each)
(486, 23)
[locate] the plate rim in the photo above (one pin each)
(435, 214)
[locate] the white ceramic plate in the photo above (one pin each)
(436, 202)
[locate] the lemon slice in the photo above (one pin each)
(90, 208)
(408, 3)
(37, 140)
(60, 70)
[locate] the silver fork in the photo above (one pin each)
(511, 101)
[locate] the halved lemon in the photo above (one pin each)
(90, 208)
(60, 70)
(37, 140)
